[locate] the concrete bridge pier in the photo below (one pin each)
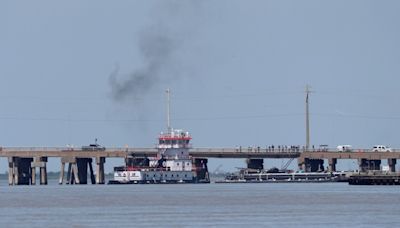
(367, 165)
(311, 165)
(77, 170)
(100, 179)
(19, 172)
(39, 162)
(72, 172)
(83, 164)
(317, 165)
(332, 164)
(201, 174)
(255, 164)
(392, 165)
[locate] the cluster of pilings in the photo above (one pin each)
(79, 168)
(22, 171)
(317, 165)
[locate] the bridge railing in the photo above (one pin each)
(241, 150)
(33, 149)
(353, 150)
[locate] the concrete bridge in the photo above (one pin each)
(23, 161)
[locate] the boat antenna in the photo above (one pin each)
(168, 110)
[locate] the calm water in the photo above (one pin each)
(215, 205)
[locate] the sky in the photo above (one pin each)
(73, 71)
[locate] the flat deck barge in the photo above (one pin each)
(375, 179)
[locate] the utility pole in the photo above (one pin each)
(168, 110)
(308, 91)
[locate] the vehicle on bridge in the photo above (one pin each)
(381, 148)
(93, 147)
(344, 148)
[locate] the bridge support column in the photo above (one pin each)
(315, 165)
(39, 162)
(367, 165)
(100, 170)
(82, 165)
(392, 165)
(75, 174)
(72, 173)
(92, 177)
(61, 180)
(33, 177)
(332, 164)
(201, 175)
(11, 171)
(19, 171)
(255, 164)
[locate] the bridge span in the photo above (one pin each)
(23, 161)
(29, 152)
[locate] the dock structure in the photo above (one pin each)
(22, 162)
(375, 178)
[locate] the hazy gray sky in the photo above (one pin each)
(72, 71)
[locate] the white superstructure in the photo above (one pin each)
(172, 164)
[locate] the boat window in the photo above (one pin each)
(177, 175)
(173, 141)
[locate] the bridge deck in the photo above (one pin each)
(124, 152)
(195, 152)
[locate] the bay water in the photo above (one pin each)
(200, 205)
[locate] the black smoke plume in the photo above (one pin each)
(156, 48)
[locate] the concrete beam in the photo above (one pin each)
(38, 164)
(68, 159)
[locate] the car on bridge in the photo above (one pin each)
(344, 148)
(93, 147)
(381, 148)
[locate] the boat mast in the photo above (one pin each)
(168, 110)
(308, 91)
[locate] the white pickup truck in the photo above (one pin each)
(381, 148)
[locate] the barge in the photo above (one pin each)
(375, 179)
(263, 176)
